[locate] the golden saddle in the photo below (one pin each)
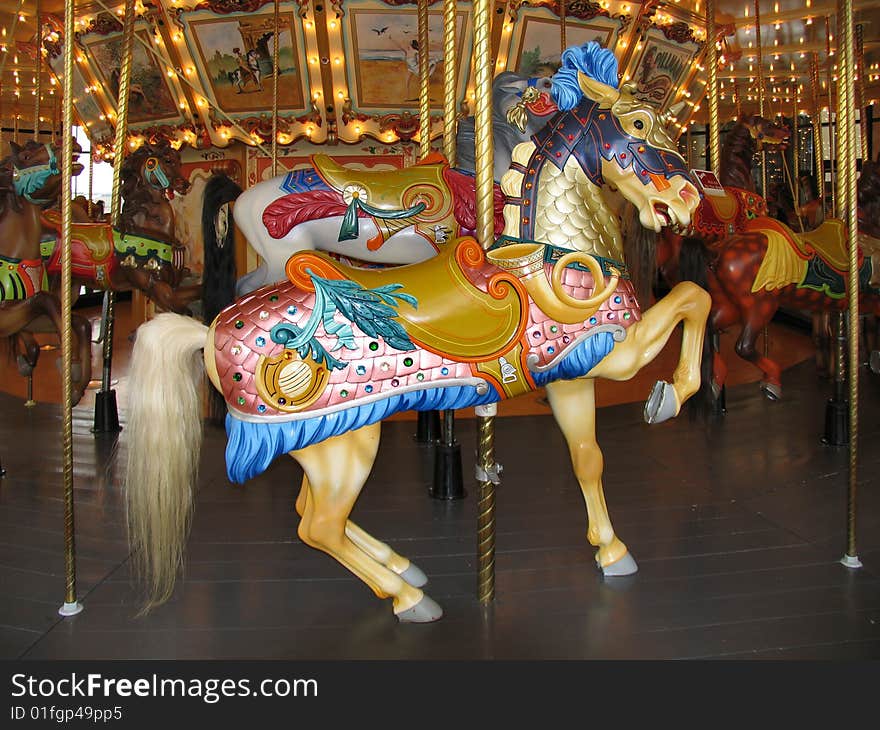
(828, 241)
(454, 317)
(390, 196)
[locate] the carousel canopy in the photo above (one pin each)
(203, 71)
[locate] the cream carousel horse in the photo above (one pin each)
(382, 216)
(310, 366)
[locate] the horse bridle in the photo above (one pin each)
(154, 175)
(31, 179)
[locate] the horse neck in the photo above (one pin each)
(590, 227)
(20, 232)
(736, 159)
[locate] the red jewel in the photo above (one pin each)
(607, 146)
(623, 155)
(532, 171)
(644, 173)
(559, 154)
(525, 221)
(561, 126)
(570, 137)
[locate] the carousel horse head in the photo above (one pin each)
(617, 139)
(521, 105)
(36, 171)
(154, 167)
(765, 134)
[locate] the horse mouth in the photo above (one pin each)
(664, 214)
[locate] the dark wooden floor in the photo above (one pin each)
(737, 527)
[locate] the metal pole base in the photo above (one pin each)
(70, 609)
(106, 413)
(836, 423)
(851, 561)
(428, 428)
(448, 481)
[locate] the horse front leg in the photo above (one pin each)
(335, 472)
(687, 303)
(574, 408)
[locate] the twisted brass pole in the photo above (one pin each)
(484, 154)
(487, 475)
(424, 82)
(563, 10)
(70, 606)
(818, 153)
(450, 112)
(847, 162)
(860, 72)
(832, 126)
(38, 85)
(760, 56)
(277, 29)
(712, 87)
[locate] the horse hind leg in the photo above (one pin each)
(375, 549)
(335, 472)
(574, 408)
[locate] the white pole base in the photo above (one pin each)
(851, 561)
(490, 409)
(70, 609)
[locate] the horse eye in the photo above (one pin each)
(639, 124)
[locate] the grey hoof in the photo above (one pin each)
(25, 368)
(424, 612)
(625, 566)
(874, 362)
(771, 390)
(661, 405)
(415, 576)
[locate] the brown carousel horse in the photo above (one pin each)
(729, 210)
(767, 265)
(30, 180)
(143, 253)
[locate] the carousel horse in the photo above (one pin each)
(310, 366)
(381, 216)
(143, 253)
(767, 265)
(30, 179)
(727, 211)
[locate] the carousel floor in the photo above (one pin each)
(737, 526)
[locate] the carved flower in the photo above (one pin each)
(350, 192)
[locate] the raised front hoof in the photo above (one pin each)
(424, 612)
(874, 362)
(25, 366)
(771, 390)
(661, 404)
(623, 566)
(415, 576)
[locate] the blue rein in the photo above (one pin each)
(31, 179)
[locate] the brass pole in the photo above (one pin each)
(795, 162)
(818, 153)
(484, 154)
(760, 57)
(71, 606)
(424, 82)
(847, 162)
(450, 110)
(860, 72)
(832, 127)
(277, 29)
(486, 479)
(91, 180)
(38, 63)
(712, 87)
(563, 11)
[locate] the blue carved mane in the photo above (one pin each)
(590, 59)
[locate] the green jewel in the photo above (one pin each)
(239, 324)
(236, 377)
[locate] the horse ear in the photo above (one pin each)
(597, 91)
(14, 147)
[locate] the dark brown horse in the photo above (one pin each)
(143, 253)
(30, 179)
(767, 265)
(720, 215)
